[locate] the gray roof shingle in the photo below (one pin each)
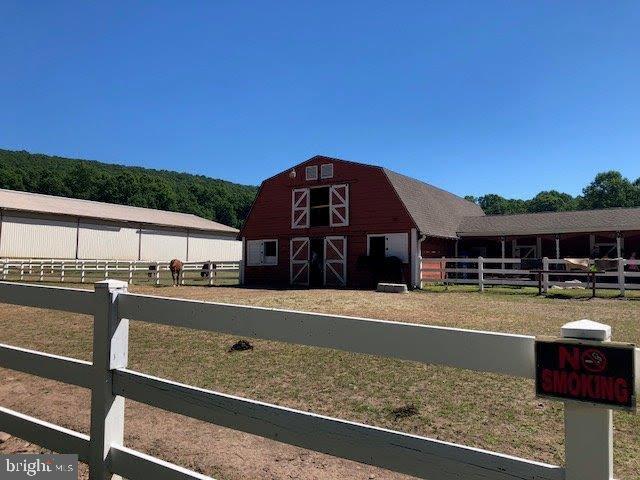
(49, 204)
(436, 212)
(580, 221)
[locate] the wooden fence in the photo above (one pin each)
(209, 272)
(111, 382)
(507, 271)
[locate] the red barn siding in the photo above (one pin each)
(374, 208)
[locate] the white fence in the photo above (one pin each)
(507, 271)
(111, 382)
(80, 271)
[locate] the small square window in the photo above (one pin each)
(326, 170)
(311, 172)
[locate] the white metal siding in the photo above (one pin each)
(211, 247)
(108, 241)
(163, 245)
(38, 237)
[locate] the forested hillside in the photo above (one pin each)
(210, 198)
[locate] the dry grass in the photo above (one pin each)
(489, 411)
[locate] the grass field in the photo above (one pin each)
(483, 410)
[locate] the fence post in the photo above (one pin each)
(130, 273)
(157, 273)
(82, 272)
(62, 271)
(621, 278)
(21, 271)
(41, 270)
(481, 273)
(545, 276)
(210, 273)
(588, 430)
(110, 351)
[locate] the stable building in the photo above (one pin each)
(45, 226)
(326, 221)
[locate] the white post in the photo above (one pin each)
(618, 245)
(41, 270)
(621, 279)
(210, 272)
(82, 272)
(110, 351)
(130, 273)
(545, 276)
(62, 271)
(557, 247)
(481, 274)
(157, 273)
(588, 429)
(21, 271)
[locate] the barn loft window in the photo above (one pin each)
(311, 172)
(326, 170)
(319, 207)
(262, 252)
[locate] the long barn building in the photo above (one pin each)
(44, 226)
(332, 222)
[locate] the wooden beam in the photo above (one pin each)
(134, 465)
(54, 367)
(45, 434)
(55, 298)
(427, 344)
(400, 452)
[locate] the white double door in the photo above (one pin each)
(334, 261)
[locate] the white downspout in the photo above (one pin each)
(418, 274)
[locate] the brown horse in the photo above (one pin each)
(175, 266)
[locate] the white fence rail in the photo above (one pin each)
(111, 382)
(507, 271)
(209, 272)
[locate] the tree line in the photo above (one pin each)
(608, 189)
(217, 200)
(229, 203)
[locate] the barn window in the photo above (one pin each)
(326, 170)
(311, 172)
(262, 252)
(389, 245)
(319, 207)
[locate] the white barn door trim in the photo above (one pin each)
(335, 261)
(300, 208)
(299, 253)
(339, 205)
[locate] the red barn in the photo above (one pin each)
(326, 221)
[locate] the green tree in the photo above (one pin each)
(551, 201)
(609, 189)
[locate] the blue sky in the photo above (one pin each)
(475, 97)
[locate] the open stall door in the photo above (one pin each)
(335, 261)
(299, 261)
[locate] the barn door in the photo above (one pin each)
(339, 205)
(299, 261)
(335, 261)
(300, 208)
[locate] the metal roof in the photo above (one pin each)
(436, 212)
(579, 221)
(50, 204)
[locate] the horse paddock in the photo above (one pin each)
(483, 410)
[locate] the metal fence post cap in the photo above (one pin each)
(111, 284)
(586, 329)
